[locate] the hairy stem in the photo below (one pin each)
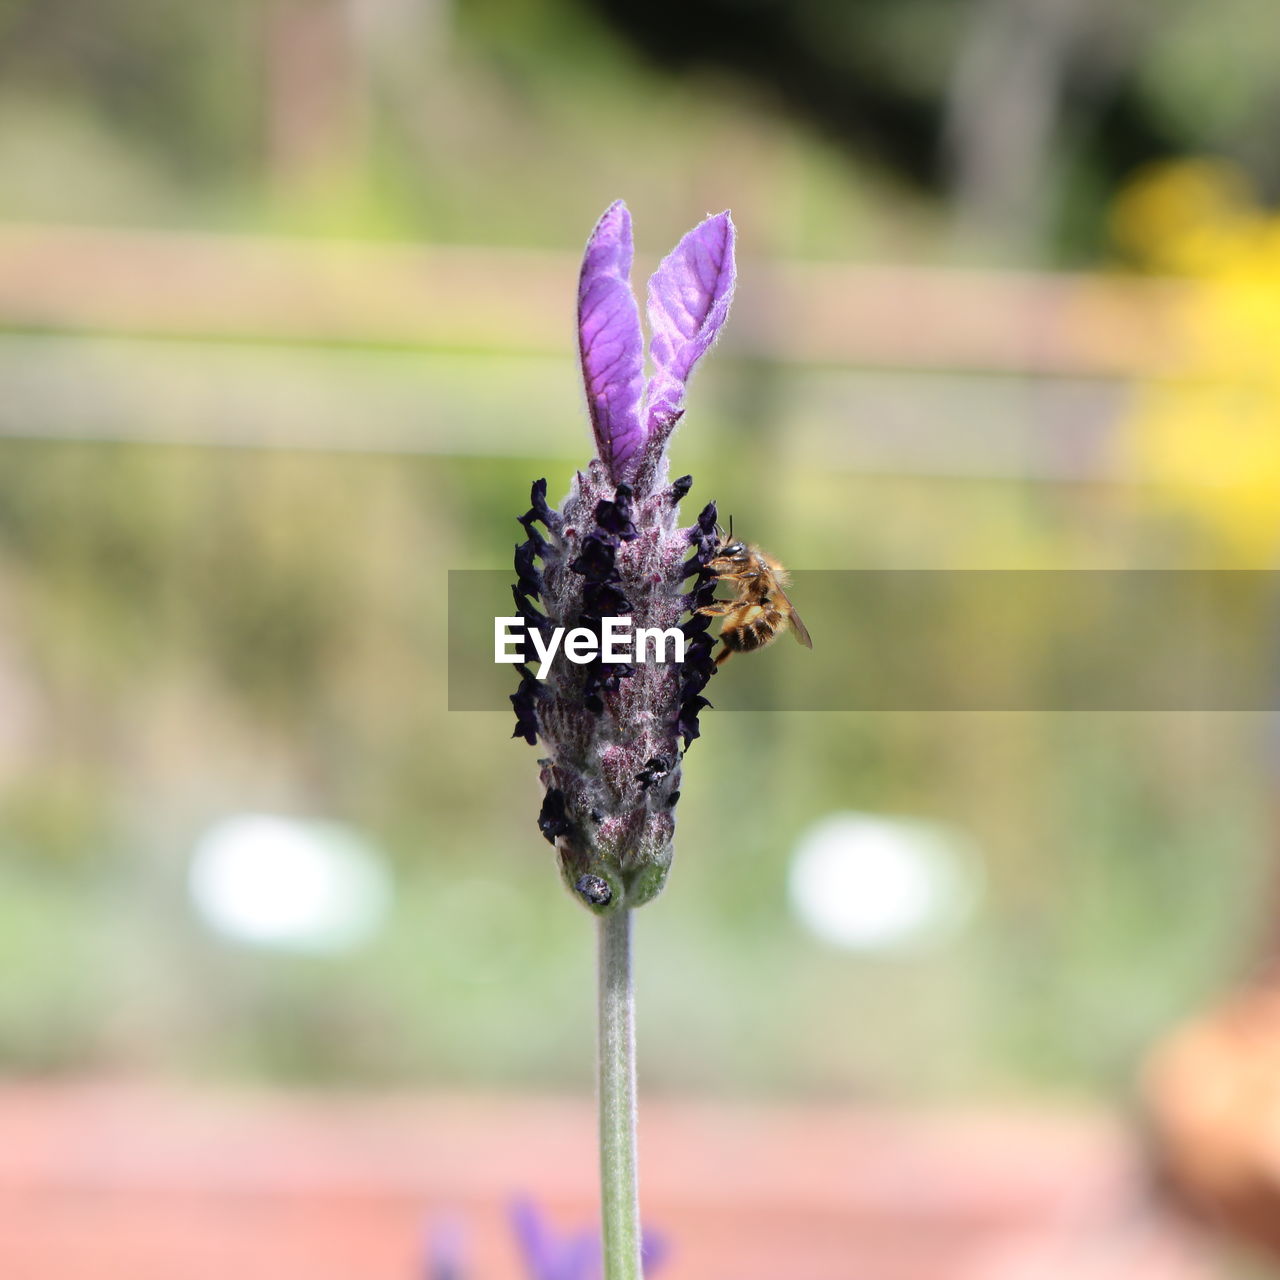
(619, 1196)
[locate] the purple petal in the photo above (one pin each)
(537, 1246)
(580, 1257)
(610, 340)
(547, 1257)
(689, 298)
(653, 1252)
(445, 1251)
(576, 1257)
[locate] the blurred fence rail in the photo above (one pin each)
(517, 301)
(253, 342)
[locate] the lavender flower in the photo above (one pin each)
(445, 1252)
(576, 1257)
(545, 1255)
(614, 733)
(547, 1258)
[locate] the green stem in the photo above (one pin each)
(619, 1197)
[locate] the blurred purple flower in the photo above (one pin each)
(445, 1251)
(573, 1257)
(613, 732)
(546, 1256)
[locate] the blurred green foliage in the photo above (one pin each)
(208, 631)
(187, 632)
(369, 118)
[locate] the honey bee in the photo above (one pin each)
(760, 611)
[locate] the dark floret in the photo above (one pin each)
(615, 516)
(687, 724)
(553, 821)
(525, 703)
(594, 890)
(596, 560)
(654, 770)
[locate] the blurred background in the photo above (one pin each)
(287, 980)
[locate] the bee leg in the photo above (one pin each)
(718, 608)
(724, 655)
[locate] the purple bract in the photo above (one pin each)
(688, 303)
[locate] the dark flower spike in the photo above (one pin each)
(616, 548)
(699, 666)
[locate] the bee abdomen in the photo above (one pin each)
(752, 635)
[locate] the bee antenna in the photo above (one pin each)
(731, 526)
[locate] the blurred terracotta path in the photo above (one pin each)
(126, 1182)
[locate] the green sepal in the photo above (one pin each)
(646, 882)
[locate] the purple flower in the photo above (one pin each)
(613, 733)
(445, 1252)
(688, 302)
(576, 1257)
(546, 1255)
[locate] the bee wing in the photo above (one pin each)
(798, 629)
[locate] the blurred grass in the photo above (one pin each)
(204, 631)
(187, 631)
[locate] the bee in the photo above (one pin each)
(760, 611)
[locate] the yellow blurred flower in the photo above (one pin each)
(1207, 437)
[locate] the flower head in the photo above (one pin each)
(614, 733)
